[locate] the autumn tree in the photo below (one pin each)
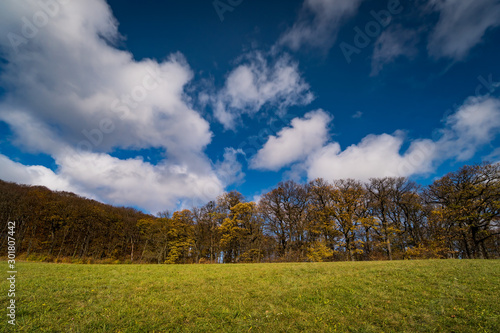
(348, 210)
(179, 237)
(322, 227)
(384, 194)
(241, 234)
(457, 216)
(285, 210)
(468, 200)
(207, 236)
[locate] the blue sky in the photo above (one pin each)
(163, 105)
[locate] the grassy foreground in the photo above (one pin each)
(411, 296)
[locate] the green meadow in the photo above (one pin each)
(383, 296)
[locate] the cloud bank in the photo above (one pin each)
(305, 145)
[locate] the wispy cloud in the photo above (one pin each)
(393, 43)
(357, 115)
(318, 23)
(461, 26)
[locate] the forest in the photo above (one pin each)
(457, 216)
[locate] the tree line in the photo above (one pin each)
(457, 216)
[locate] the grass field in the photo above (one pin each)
(398, 296)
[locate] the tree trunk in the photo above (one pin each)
(389, 251)
(62, 244)
(466, 244)
(144, 250)
(132, 251)
(348, 248)
(483, 251)
(31, 242)
(76, 245)
(53, 236)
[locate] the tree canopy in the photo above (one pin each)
(457, 216)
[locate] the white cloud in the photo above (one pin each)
(374, 156)
(304, 145)
(71, 93)
(391, 44)
(32, 134)
(318, 23)
(461, 26)
(474, 124)
(122, 182)
(33, 175)
(229, 169)
(293, 143)
(256, 84)
(357, 115)
(135, 182)
(69, 77)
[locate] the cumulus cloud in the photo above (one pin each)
(391, 44)
(293, 143)
(305, 146)
(318, 23)
(374, 156)
(257, 83)
(34, 175)
(70, 92)
(461, 26)
(136, 182)
(123, 182)
(475, 124)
